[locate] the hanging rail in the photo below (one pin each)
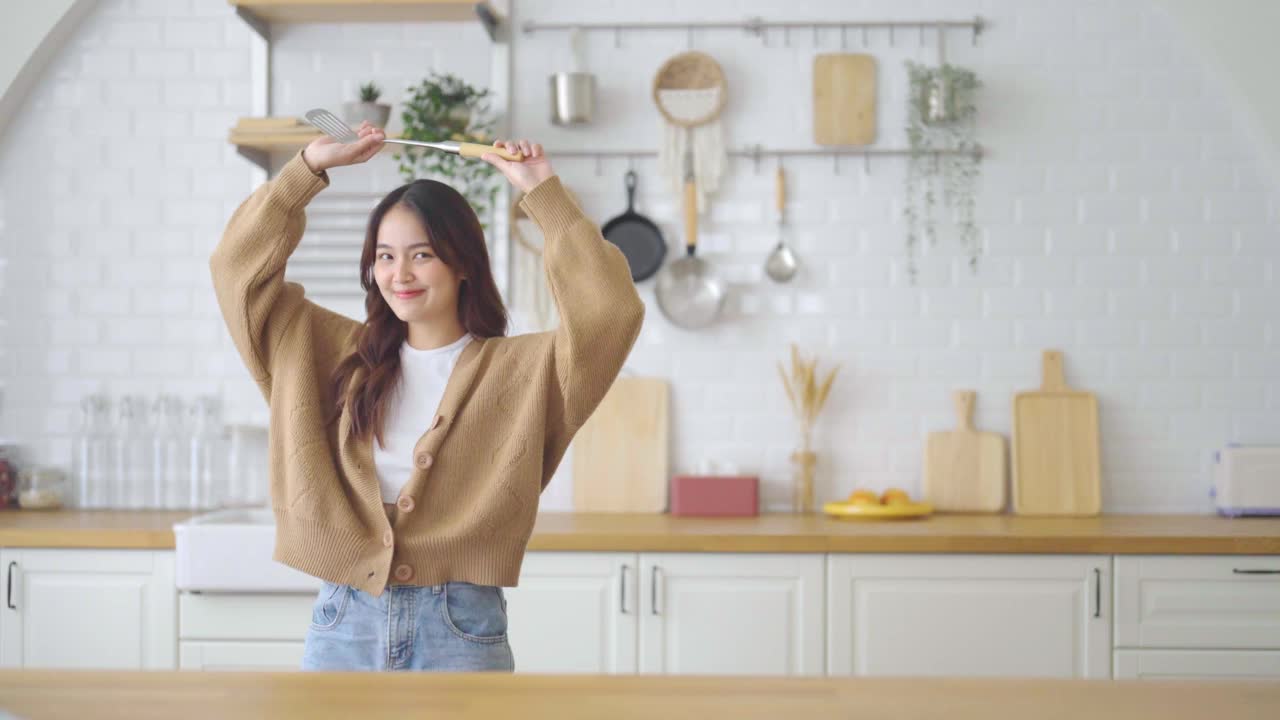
(757, 26)
(756, 153)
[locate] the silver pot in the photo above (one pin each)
(573, 98)
(357, 112)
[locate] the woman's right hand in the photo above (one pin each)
(324, 152)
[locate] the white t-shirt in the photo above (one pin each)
(423, 376)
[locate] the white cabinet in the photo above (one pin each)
(1179, 601)
(1197, 616)
(686, 613)
(100, 609)
(1197, 664)
(241, 656)
(574, 613)
(242, 631)
(731, 614)
(969, 615)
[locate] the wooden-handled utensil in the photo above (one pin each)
(331, 125)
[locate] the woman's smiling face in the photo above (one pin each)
(417, 285)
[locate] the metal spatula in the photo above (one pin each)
(331, 125)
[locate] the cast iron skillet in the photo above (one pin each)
(637, 237)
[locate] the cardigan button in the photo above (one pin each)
(405, 503)
(388, 538)
(404, 573)
(424, 460)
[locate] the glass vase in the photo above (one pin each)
(803, 465)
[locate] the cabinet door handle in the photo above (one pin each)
(653, 589)
(1250, 571)
(622, 590)
(9, 586)
(1097, 592)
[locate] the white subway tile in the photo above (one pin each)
(1175, 272)
(1195, 364)
(104, 362)
(1208, 303)
(194, 34)
(1106, 333)
(1154, 303)
(1078, 240)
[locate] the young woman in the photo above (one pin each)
(408, 452)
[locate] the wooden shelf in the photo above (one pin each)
(271, 142)
(303, 11)
(257, 146)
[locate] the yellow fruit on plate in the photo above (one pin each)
(863, 497)
(895, 496)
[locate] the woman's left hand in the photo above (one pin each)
(525, 174)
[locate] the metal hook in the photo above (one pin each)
(864, 36)
(815, 36)
(631, 163)
(921, 28)
(844, 38)
(942, 45)
(866, 163)
(835, 164)
(786, 36)
(755, 159)
(977, 28)
(599, 164)
(689, 37)
(617, 38)
(890, 36)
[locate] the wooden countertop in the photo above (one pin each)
(1106, 534)
(314, 696)
(99, 529)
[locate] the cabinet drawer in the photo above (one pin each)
(1198, 664)
(233, 655)
(236, 616)
(1223, 602)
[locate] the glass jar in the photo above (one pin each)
(41, 488)
(8, 475)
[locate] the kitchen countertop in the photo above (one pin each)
(313, 696)
(1106, 534)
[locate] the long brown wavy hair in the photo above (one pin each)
(457, 239)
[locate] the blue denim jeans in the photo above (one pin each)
(455, 627)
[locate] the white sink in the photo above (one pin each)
(230, 551)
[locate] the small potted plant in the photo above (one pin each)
(446, 107)
(941, 108)
(367, 108)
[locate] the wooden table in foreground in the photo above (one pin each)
(38, 694)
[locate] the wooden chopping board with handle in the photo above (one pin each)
(620, 461)
(965, 468)
(1056, 459)
(844, 99)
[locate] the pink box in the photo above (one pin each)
(715, 495)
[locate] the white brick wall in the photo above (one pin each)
(1124, 220)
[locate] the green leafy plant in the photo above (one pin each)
(445, 107)
(941, 109)
(370, 92)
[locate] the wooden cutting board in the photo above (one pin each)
(1056, 461)
(620, 454)
(844, 99)
(964, 469)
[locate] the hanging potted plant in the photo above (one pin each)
(367, 108)
(940, 116)
(445, 107)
